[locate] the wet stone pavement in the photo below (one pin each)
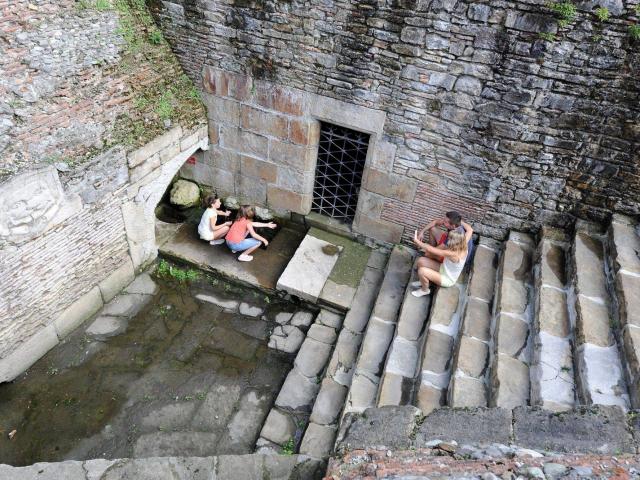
(164, 370)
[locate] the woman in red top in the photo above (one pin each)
(244, 225)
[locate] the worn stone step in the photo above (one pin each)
(624, 242)
(552, 384)
(600, 377)
(467, 387)
(509, 377)
(380, 331)
(435, 369)
(402, 361)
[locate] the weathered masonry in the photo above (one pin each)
(489, 108)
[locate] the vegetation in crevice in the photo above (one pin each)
(565, 11)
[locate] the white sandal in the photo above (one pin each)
(415, 284)
(220, 241)
(245, 258)
(420, 293)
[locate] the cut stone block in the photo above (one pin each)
(472, 356)
(336, 295)
(302, 319)
(375, 345)
(511, 335)
(226, 304)
(429, 398)
(467, 392)
(394, 284)
(391, 389)
(322, 334)
(250, 310)
(312, 357)
(344, 356)
(278, 428)
(592, 322)
(171, 444)
(318, 440)
(309, 269)
(364, 300)
(286, 338)
(601, 375)
(552, 384)
(552, 264)
(466, 426)
(437, 352)
(514, 296)
(117, 280)
(631, 337)
(477, 320)
(143, 284)
(485, 263)
(79, 311)
(298, 392)
(104, 327)
(329, 402)
(553, 316)
(403, 358)
(516, 263)
(28, 353)
(330, 319)
(444, 306)
(626, 245)
(509, 382)
(588, 260)
(628, 290)
(362, 393)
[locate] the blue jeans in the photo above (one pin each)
(245, 244)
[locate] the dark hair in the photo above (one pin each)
(454, 218)
(246, 211)
(209, 199)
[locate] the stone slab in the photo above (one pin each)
(477, 320)
(318, 440)
(384, 427)
(71, 318)
(509, 382)
(595, 429)
(279, 427)
(592, 322)
(28, 353)
(322, 334)
(336, 295)
(437, 352)
(309, 269)
(126, 305)
(471, 426)
(393, 286)
(472, 356)
(330, 319)
(626, 245)
(444, 306)
(429, 398)
(298, 392)
(628, 289)
(104, 327)
(344, 356)
(329, 402)
(511, 335)
(143, 284)
(552, 264)
(588, 260)
(357, 317)
(69, 470)
(312, 357)
(167, 444)
(467, 392)
(403, 357)
(375, 345)
(552, 313)
(117, 280)
(362, 393)
(483, 279)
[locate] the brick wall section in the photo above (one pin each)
(537, 131)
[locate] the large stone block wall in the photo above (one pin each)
(70, 249)
(481, 112)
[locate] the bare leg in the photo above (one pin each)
(220, 233)
(427, 275)
(249, 251)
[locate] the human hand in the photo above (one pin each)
(227, 213)
(271, 225)
(265, 242)
(228, 224)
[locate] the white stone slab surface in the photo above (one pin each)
(309, 269)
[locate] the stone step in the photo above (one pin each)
(402, 360)
(471, 359)
(320, 434)
(600, 375)
(552, 384)
(380, 331)
(624, 242)
(442, 332)
(510, 357)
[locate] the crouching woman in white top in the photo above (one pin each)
(454, 256)
(207, 229)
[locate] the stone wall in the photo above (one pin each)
(67, 253)
(85, 155)
(481, 111)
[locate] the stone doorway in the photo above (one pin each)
(342, 154)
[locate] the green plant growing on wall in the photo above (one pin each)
(547, 36)
(602, 13)
(164, 107)
(634, 32)
(103, 5)
(155, 37)
(565, 11)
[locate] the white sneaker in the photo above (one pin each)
(415, 284)
(234, 251)
(245, 258)
(220, 241)
(420, 293)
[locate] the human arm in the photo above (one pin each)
(425, 247)
(270, 225)
(253, 233)
(214, 227)
(468, 231)
(224, 213)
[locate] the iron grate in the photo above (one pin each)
(341, 157)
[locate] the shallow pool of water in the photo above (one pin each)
(184, 378)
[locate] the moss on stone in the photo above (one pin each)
(350, 266)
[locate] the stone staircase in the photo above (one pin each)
(549, 320)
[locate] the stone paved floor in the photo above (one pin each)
(264, 271)
(183, 370)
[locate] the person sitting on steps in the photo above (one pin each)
(438, 236)
(244, 226)
(454, 255)
(207, 229)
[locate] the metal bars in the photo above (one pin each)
(341, 157)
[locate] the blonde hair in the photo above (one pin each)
(456, 242)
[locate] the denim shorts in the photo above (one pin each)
(243, 245)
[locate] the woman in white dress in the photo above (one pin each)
(454, 255)
(207, 229)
